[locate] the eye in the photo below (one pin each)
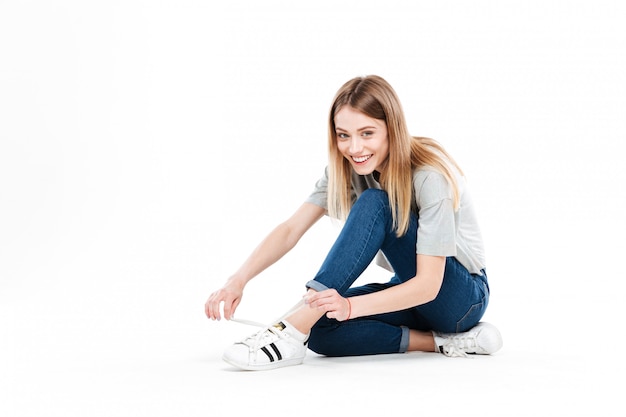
(342, 135)
(367, 133)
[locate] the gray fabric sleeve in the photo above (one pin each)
(319, 195)
(436, 232)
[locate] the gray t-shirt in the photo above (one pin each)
(441, 230)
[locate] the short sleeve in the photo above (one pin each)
(319, 195)
(436, 232)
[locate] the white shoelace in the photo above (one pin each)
(457, 346)
(268, 333)
(451, 350)
(259, 324)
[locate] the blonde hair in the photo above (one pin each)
(374, 97)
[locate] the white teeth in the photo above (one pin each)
(361, 158)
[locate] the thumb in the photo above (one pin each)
(230, 308)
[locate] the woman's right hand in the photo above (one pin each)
(280, 241)
(230, 294)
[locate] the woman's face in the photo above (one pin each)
(361, 140)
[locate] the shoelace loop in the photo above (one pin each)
(458, 346)
(258, 340)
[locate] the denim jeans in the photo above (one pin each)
(459, 305)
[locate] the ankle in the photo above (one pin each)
(293, 330)
(304, 318)
(299, 324)
(421, 341)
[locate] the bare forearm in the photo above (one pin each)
(280, 241)
(419, 290)
(396, 298)
(270, 250)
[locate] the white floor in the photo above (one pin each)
(116, 345)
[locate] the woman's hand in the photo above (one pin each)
(230, 294)
(329, 301)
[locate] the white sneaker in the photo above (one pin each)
(273, 347)
(482, 339)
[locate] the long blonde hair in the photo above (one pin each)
(374, 97)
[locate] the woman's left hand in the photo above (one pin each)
(329, 301)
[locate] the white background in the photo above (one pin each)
(147, 146)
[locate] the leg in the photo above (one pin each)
(458, 308)
(421, 341)
(394, 332)
(367, 230)
(461, 302)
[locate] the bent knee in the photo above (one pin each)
(374, 194)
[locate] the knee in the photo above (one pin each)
(372, 197)
(374, 194)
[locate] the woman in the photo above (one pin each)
(401, 197)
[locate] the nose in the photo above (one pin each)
(355, 145)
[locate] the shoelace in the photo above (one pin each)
(264, 325)
(451, 350)
(457, 346)
(268, 333)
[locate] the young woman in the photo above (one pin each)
(405, 202)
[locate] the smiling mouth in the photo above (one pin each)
(361, 159)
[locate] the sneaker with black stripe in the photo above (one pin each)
(273, 347)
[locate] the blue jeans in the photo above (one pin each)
(459, 306)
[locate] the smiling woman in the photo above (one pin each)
(362, 140)
(401, 196)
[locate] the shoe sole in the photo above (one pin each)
(264, 367)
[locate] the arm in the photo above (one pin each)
(437, 231)
(420, 289)
(279, 241)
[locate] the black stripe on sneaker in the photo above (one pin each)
(267, 352)
(278, 355)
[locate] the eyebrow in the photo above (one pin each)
(358, 130)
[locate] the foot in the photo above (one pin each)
(274, 347)
(482, 339)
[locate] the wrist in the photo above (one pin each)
(237, 281)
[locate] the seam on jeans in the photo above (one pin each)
(478, 306)
(459, 324)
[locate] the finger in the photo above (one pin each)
(332, 302)
(321, 297)
(327, 306)
(327, 303)
(314, 295)
(311, 297)
(235, 305)
(215, 309)
(229, 308)
(208, 309)
(317, 303)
